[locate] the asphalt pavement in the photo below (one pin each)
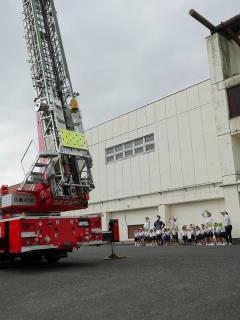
(184, 283)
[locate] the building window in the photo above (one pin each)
(149, 147)
(233, 95)
(110, 158)
(149, 138)
(138, 142)
(119, 148)
(128, 153)
(128, 145)
(119, 156)
(130, 148)
(110, 150)
(138, 150)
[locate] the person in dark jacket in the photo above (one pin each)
(159, 224)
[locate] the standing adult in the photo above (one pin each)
(159, 224)
(147, 224)
(228, 226)
(174, 229)
(208, 219)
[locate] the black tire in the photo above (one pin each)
(52, 259)
(31, 258)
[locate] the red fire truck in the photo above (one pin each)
(59, 180)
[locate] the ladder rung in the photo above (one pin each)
(35, 181)
(48, 155)
(35, 174)
(73, 185)
(41, 165)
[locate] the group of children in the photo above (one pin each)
(156, 237)
(207, 234)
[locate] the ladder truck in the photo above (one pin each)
(60, 179)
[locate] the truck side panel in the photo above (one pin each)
(44, 233)
(14, 236)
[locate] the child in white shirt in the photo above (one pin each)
(203, 234)
(222, 234)
(147, 238)
(142, 237)
(216, 231)
(154, 237)
(136, 238)
(209, 229)
(159, 237)
(184, 234)
(147, 223)
(189, 235)
(198, 236)
(207, 217)
(174, 230)
(193, 233)
(166, 236)
(151, 238)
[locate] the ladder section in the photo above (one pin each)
(58, 113)
(38, 171)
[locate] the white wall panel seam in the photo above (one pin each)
(204, 142)
(170, 171)
(180, 152)
(191, 143)
(157, 155)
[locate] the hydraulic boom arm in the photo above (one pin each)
(60, 178)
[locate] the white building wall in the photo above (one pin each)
(180, 177)
(185, 147)
(191, 211)
(132, 217)
(195, 164)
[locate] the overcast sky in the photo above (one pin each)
(121, 54)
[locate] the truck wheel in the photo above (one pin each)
(31, 258)
(52, 259)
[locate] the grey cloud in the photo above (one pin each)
(121, 54)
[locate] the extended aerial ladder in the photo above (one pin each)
(60, 178)
(63, 147)
(61, 174)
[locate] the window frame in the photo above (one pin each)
(130, 147)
